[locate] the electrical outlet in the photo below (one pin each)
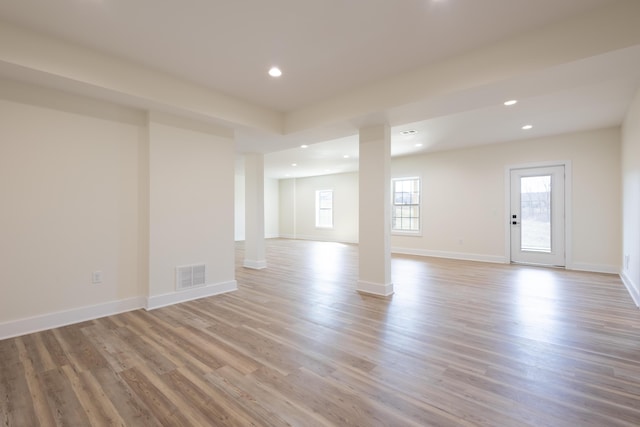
(96, 277)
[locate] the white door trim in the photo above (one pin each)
(568, 207)
(555, 254)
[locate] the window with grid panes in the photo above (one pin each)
(405, 212)
(324, 208)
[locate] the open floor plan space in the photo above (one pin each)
(458, 344)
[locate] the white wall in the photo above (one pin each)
(271, 208)
(191, 205)
(464, 198)
(631, 199)
(69, 195)
(298, 203)
(88, 186)
(239, 208)
(287, 208)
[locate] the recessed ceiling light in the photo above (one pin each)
(304, 146)
(294, 164)
(527, 127)
(418, 145)
(409, 132)
(511, 102)
(346, 156)
(275, 72)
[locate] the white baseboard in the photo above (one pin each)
(255, 264)
(594, 268)
(43, 322)
(267, 236)
(633, 289)
(171, 298)
(375, 288)
(496, 259)
(323, 239)
(287, 236)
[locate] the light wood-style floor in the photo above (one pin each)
(458, 344)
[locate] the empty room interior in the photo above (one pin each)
(421, 212)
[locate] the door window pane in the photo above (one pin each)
(535, 213)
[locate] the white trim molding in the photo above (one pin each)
(594, 268)
(255, 264)
(568, 206)
(43, 322)
(171, 298)
(407, 233)
(496, 259)
(375, 288)
(323, 239)
(633, 289)
(15, 328)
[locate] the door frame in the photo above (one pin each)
(568, 208)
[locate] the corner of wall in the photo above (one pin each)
(630, 175)
(633, 289)
(143, 209)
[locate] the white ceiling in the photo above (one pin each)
(584, 95)
(330, 48)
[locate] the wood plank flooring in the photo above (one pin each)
(458, 344)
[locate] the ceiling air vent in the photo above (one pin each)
(189, 276)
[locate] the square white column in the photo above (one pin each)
(254, 245)
(375, 211)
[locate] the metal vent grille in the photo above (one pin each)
(189, 276)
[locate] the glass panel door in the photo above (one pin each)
(537, 216)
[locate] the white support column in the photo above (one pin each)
(254, 256)
(375, 211)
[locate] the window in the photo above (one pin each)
(405, 212)
(324, 208)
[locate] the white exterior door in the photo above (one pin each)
(537, 219)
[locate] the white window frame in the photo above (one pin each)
(417, 232)
(318, 209)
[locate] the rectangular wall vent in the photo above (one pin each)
(189, 276)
